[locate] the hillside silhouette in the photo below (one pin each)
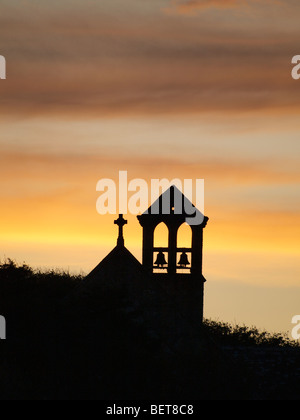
(59, 347)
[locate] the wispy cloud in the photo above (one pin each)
(193, 6)
(190, 6)
(74, 65)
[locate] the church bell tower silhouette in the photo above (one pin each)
(179, 270)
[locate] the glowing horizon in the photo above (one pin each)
(164, 89)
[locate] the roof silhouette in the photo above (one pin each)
(117, 270)
(118, 267)
(174, 202)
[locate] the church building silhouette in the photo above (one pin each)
(169, 281)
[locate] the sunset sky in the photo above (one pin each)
(162, 89)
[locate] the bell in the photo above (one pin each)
(184, 261)
(160, 260)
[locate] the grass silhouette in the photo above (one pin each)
(58, 351)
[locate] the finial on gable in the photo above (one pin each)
(121, 222)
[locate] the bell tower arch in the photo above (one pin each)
(165, 263)
(171, 257)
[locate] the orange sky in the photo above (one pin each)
(175, 89)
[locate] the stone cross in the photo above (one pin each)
(121, 222)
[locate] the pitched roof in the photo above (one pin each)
(119, 270)
(174, 202)
(119, 260)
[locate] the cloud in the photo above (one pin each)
(67, 169)
(109, 64)
(192, 6)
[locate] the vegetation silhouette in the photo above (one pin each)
(58, 348)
